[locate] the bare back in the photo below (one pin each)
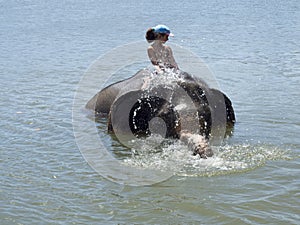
(162, 56)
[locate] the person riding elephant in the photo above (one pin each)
(208, 103)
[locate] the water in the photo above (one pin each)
(253, 50)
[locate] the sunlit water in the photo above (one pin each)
(253, 50)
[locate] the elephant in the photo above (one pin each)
(130, 107)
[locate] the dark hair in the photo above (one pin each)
(150, 35)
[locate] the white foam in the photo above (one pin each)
(177, 158)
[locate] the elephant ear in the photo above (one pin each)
(230, 115)
(131, 113)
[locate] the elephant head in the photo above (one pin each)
(187, 108)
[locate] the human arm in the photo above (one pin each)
(171, 59)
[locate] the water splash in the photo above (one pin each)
(175, 156)
(229, 159)
(167, 77)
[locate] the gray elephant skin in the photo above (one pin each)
(130, 104)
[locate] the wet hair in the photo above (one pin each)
(150, 35)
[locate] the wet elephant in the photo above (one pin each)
(190, 109)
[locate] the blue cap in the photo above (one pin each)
(162, 29)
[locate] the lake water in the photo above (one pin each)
(253, 51)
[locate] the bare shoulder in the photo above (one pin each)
(151, 54)
(168, 47)
(150, 48)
